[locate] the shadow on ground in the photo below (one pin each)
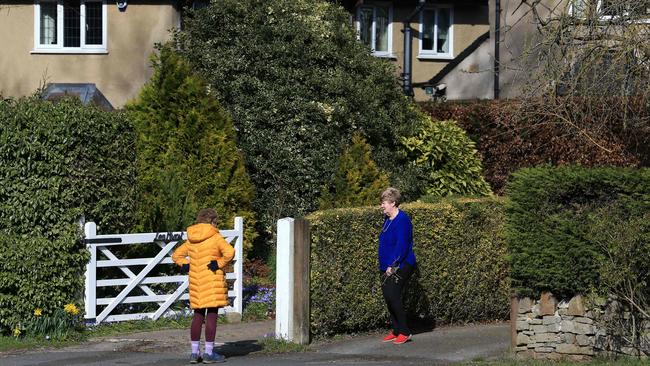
(239, 348)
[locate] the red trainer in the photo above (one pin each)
(401, 339)
(389, 338)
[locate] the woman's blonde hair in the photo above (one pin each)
(392, 195)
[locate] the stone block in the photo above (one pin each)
(567, 326)
(547, 304)
(551, 319)
(525, 305)
(586, 329)
(568, 338)
(583, 340)
(535, 321)
(545, 338)
(576, 306)
(525, 355)
(536, 311)
(583, 320)
(528, 332)
(522, 325)
(522, 339)
(574, 349)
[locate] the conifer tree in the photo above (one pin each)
(357, 180)
(187, 156)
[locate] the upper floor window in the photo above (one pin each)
(436, 32)
(70, 26)
(374, 28)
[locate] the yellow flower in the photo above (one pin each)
(16, 332)
(71, 309)
(38, 312)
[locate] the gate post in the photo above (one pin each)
(292, 281)
(90, 294)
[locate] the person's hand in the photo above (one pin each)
(213, 266)
(389, 271)
(185, 268)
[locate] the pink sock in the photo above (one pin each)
(195, 347)
(208, 347)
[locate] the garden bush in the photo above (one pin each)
(509, 138)
(298, 84)
(558, 234)
(357, 180)
(187, 154)
(446, 160)
(59, 162)
(462, 266)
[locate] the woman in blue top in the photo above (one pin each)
(396, 262)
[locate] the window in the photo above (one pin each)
(436, 33)
(70, 26)
(374, 28)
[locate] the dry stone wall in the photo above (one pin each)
(551, 329)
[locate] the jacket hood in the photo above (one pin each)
(200, 232)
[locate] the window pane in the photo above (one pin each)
(381, 33)
(444, 17)
(94, 23)
(48, 23)
(71, 23)
(428, 29)
(365, 25)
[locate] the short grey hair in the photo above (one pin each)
(392, 195)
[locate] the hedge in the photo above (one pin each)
(59, 162)
(461, 276)
(555, 222)
(508, 139)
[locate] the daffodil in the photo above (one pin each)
(38, 312)
(17, 332)
(71, 309)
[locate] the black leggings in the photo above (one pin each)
(392, 288)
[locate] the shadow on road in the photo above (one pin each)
(239, 348)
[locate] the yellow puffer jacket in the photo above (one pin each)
(207, 289)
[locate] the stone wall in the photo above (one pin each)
(551, 329)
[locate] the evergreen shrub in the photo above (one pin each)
(462, 266)
(555, 230)
(446, 159)
(59, 162)
(357, 180)
(298, 84)
(187, 154)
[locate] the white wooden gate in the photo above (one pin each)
(99, 245)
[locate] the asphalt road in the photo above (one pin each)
(441, 346)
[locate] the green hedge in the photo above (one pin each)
(461, 277)
(555, 219)
(59, 161)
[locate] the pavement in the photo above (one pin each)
(439, 346)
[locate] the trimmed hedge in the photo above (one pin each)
(59, 161)
(461, 276)
(552, 219)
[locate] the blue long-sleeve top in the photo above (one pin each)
(396, 242)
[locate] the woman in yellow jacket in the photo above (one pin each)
(204, 255)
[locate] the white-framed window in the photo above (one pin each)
(375, 29)
(610, 9)
(70, 26)
(436, 32)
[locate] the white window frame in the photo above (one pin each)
(58, 48)
(432, 54)
(599, 5)
(388, 53)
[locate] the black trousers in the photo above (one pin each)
(392, 288)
